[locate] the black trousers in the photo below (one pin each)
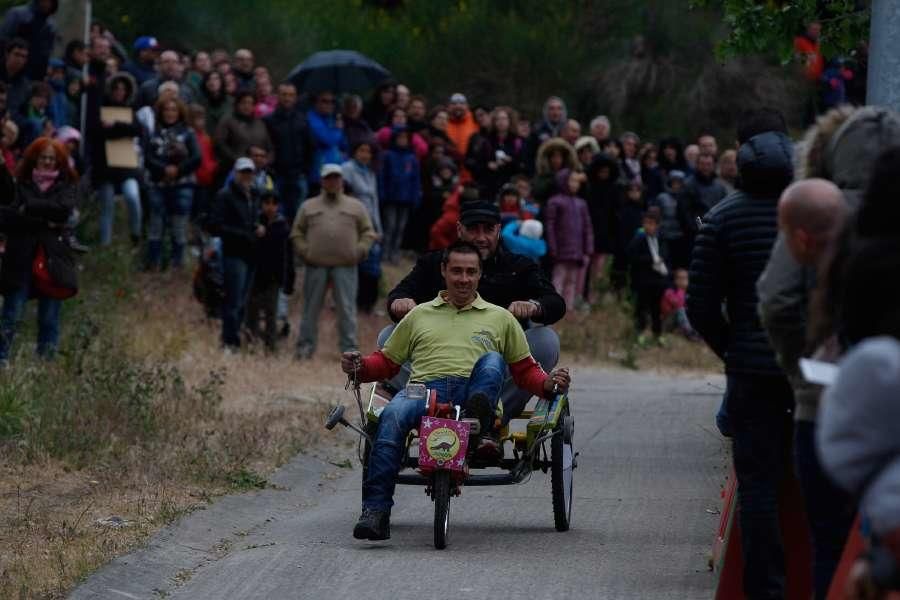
(646, 300)
(367, 292)
(760, 414)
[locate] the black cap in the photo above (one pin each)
(479, 212)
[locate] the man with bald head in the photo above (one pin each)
(169, 70)
(243, 69)
(810, 214)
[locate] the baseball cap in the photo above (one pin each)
(479, 211)
(244, 164)
(458, 98)
(146, 42)
(330, 169)
(676, 174)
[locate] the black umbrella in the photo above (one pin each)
(337, 71)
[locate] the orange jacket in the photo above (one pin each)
(811, 55)
(460, 132)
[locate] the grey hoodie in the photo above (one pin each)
(858, 437)
(842, 149)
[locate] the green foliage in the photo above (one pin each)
(769, 27)
(645, 64)
(246, 479)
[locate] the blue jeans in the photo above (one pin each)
(759, 413)
(170, 207)
(238, 280)
(829, 509)
(48, 322)
(292, 191)
(402, 415)
(131, 193)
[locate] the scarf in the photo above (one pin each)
(658, 265)
(44, 178)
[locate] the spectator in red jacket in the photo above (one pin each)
(209, 166)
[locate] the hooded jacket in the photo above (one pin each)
(603, 199)
(544, 184)
(329, 143)
(841, 147)
(731, 250)
(567, 224)
(102, 173)
(400, 174)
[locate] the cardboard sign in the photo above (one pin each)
(120, 153)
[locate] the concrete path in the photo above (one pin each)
(645, 513)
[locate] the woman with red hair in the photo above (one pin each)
(45, 196)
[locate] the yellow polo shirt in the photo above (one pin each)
(442, 340)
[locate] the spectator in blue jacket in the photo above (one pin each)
(329, 141)
(400, 190)
(525, 238)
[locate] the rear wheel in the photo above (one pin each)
(562, 463)
(441, 495)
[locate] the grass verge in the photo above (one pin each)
(140, 419)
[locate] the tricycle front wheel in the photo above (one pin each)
(440, 493)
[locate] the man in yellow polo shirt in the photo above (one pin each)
(460, 346)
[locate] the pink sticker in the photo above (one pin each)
(443, 444)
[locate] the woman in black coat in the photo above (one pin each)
(496, 156)
(45, 196)
(604, 195)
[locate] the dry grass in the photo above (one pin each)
(267, 408)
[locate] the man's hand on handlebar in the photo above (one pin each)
(558, 381)
(350, 361)
(523, 309)
(401, 306)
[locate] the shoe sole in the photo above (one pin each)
(368, 534)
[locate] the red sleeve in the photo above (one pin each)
(529, 376)
(377, 366)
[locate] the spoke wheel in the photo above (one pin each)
(441, 496)
(562, 463)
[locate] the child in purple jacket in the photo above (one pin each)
(570, 236)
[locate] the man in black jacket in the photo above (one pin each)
(508, 279)
(293, 150)
(235, 218)
(731, 250)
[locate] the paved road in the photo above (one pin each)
(646, 486)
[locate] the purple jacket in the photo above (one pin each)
(567, 225)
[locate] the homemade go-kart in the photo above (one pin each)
(442, 449)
